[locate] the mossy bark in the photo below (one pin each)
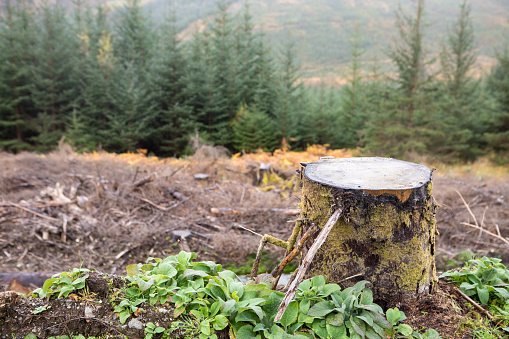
(385, 237)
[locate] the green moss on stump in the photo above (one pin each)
(388, 242)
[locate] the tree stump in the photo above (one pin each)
(387, 232)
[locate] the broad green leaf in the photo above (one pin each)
(215, 308)
(277, 332)
(123, 316)
(217, 292)
(259, 327)
(404, 329)
(197, 314)
(132, 270)
(320, 309)
(474, 279)
(367, 297)
(336, 332)
(219, 322)
(256, 309)
(142, 284)
(371, 334)
(304, 305)
(366, 318)
(228, 306)
(305, 285)
(484, 294)
(358, 287)
(290, 314)
(329, 289)
(227, 275)
(304, 318)
(246, 332)
(358, 326)
(167, 270)
(502, 292)
(335, 319)
(319, 328)
(178, 311)
(184, 258)
(318, 280)
(295, 327)
(247, 316)
(47, 284)
(190, 272)
(205, 326)
(31, 336)
(431, 334)
(236, 287)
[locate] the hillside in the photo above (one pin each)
(324, 28)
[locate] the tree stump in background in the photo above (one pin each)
(387, 232)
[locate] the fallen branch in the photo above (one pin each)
(162, 208)
(143, 181)
(476, 305)
(307, 261)
(29, 210)
(283, 211)
(498, 236)
(276, 273)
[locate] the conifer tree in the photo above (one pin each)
(353, 110)
(460, 116)
(287, 111)
(171, 121)
(401, 127)
(15, 74)
(54, 88)
(90, 122)
(254, 130)
(497, 135)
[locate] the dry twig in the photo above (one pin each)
(307, 261)
(476, 305)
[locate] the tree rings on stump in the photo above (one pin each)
(387, 232)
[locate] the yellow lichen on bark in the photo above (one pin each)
(389, 244)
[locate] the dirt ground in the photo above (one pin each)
(104, 211)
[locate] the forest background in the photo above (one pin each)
(119, 78)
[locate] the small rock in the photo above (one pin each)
(89, 312)
(135, 323)
(201, 176)
(180, 234)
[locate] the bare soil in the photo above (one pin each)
(102, 211)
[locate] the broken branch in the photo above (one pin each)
(307, 261)
(476, 305)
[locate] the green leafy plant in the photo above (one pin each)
(485, 279)
(208, 299)
(62, 284)
(151, 330)
(41, 309)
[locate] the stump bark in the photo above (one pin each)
(387, 232)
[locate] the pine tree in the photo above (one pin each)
(353, 107)
(171, 121)
(401, 126)
(287, 111)
(90, 121)
(15, 74)
(497, 135)
(134, 41)
(54, 87)
(254, 130)
(460, 116)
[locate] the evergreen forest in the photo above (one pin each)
(115, 81)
